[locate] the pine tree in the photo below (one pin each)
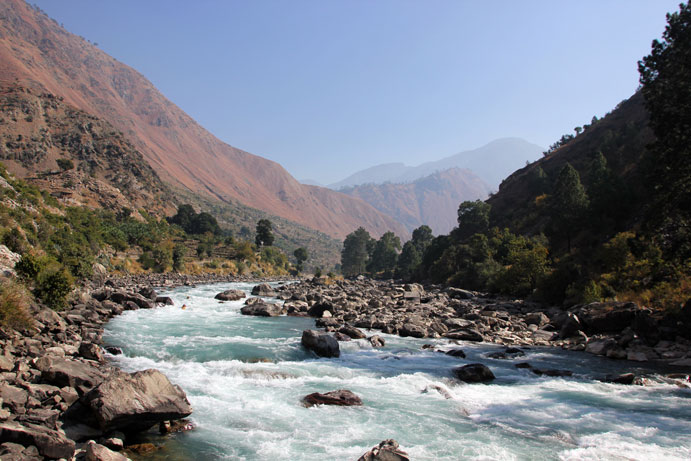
(356, 251)
(568, 203)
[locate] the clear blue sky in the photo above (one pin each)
(328, 87)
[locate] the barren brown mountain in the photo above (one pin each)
(432, 200)
(37, 52)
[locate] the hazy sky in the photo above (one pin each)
(328, 87)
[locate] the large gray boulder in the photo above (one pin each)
(263, 309)
(135, 402)
(322, 344)
(467, 334)
(96, 452)
(50, 443)
(230, 295)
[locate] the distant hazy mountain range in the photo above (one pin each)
(492, 163)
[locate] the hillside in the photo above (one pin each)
(37, 53)
(491, 162)
(101, 168)
(431, 200)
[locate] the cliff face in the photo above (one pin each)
(432, 200)
(37, 53)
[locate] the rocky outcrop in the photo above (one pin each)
(263, 289)
(50, 443)
(322, 344)
(388, 450)
(341, 397)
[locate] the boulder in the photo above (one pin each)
(230, 295)
(536, 318)
(353, 332)
(64, 372)
(456, 353)
(571, 326)
(473, 373)
(165, 300)
(553, 372)
(91, 351)
(322, 344)
(50, 443)
(129, 299)
(457, 293)
(149, 293)
(468, 334)
(15, 452)
(413, 329)
(263, 289)
(262, 309)
(114, 350)
(135, 402)
(96, 452)
(626, 378)
(388, 450)
(341, 397)
(601, 317)
(600, 346)
(13, 397)
(318, 309)
(376, 341)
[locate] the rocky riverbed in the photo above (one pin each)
(613, 329)
(59, 397)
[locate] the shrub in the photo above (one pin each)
(53, 285)
(30, 266)
(15, 300)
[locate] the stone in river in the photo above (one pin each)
(388, 450)
(263, 289)
(474, 373)
(263, 309)
(322, 344)
(230, 295)
(341, 397)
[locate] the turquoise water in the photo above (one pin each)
(245, 377)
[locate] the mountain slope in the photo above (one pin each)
(491, 162)
(432, 200)
(102, 169)
(37, 52)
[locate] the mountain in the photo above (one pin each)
(39, 54)
(432, 200)
(491, 162)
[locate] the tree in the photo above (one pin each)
(264, 236)
(203, 223)
(568, 203)
(408, 261)
(357, 247)
(301, 256)
(183, 217)
(473, 218)
(385, 254)
(179, 252)
(422, 236)
(65, 164)
(666, 86)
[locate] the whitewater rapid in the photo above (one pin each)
(245, 377)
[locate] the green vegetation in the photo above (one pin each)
(300, 256)
(264, 234)
(15, 300)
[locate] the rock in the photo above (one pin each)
(50, 443)
(341, 337)
(341, 397)
(353, 332)
(682, 362)
(523, 365)
(536, 318)
(50, 319)
(231, 295)
(626, 378)
(6, 364)
(441, 390)
(413, 329)
(135, 402)
(13, 397)
(376, 341)
(263, 289)
(636, 356)
(139, 301)
(319, 308)
(474, 373)
(262, 309)
(457, 293)
(570, 326)
(15, 452)
(96, 452)
(322, 344)
(600, 346)
(388, 450)
(165, 300)
(91, 351)
(114, 443)
(114, 350)
(456, 353)
(64, 372)
(469, 334)
(148, 293)
(601, 317)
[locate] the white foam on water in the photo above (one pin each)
(251, 409)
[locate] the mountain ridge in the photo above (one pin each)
(38, 53)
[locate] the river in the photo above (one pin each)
(245, 377)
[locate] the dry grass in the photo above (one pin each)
(15, 300)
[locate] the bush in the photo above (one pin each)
(15, 300)
(30, 266)
(53, 285)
